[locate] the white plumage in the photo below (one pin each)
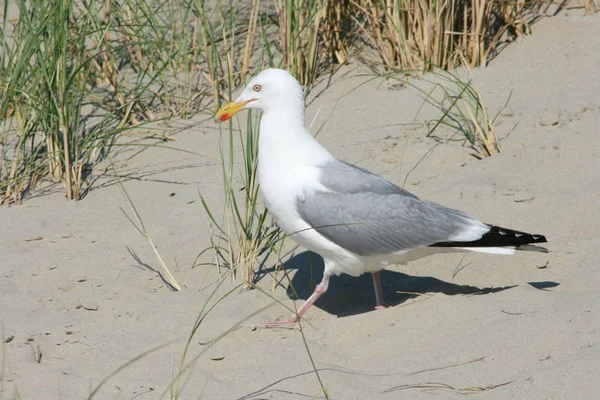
(356, 221)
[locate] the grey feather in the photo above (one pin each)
(341, 177)
(369, 215)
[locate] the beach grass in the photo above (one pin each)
(461, 109)
(243, 234)
(74, 76)
(137, 221)
(591, 6)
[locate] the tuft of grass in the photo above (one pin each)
(299, 27)
(416, 34)
(42, 100)
(73, 76)
(335, 30)
(222, 44)
(591, 6)
(60, 58)
(462, 110)
(245, 233)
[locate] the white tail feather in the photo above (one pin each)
(490, 250)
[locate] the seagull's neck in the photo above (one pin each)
(285, 139)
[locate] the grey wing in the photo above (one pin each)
(369, 216)
(341, 177)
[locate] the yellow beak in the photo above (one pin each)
(230, 109)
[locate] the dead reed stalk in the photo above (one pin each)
(422, 34)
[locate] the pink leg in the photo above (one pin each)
(378, 293)
(320, 289)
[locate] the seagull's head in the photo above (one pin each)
(270, 90)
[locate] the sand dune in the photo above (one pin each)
(76, 301)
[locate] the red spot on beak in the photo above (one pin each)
(224, 117)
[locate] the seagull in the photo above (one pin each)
(357, 221)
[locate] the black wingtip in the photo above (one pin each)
(499, 237)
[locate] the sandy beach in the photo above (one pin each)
(81, 304)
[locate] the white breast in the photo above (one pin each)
(288, 170)
(288, 159)
(281, 185)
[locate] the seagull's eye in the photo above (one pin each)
(257, 88)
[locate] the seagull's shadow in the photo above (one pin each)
(348, 295)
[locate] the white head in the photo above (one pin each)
(272, 90)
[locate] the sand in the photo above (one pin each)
(79, 299)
